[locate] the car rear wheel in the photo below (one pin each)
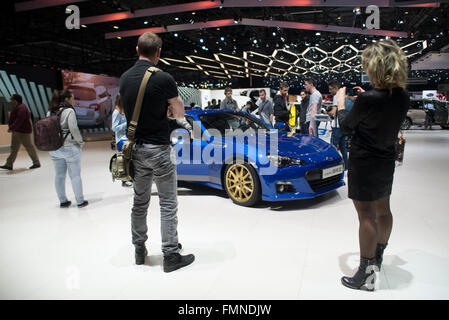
(242, 184)
(406, 124)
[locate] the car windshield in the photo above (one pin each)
(229, 123)
(83, 93)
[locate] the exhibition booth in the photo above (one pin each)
(266, 208)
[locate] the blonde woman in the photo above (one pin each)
(375, 121)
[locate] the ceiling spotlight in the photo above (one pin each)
(318, 34)
(222, 38)
(115, 27)
(201, 40)
(193, 12)
(274, 34)
(176, 19)
(176, 35)
(255, 41)
(401, 21)
(145, 22)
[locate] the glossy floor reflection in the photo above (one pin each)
(290, 250)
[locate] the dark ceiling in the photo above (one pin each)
(39, 37)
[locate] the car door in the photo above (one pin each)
(191, 167)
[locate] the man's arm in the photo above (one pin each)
(175, 108)
(312, 115)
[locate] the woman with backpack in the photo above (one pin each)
(67, 157)
(119, 126)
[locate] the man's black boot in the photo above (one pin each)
(175, 261)
(365, 277)
(141, 253)
(380, 254)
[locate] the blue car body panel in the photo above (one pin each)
(317, 154)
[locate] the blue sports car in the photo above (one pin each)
(250, 160)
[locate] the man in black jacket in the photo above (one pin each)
(281, 112)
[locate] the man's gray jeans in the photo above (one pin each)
(154, 161)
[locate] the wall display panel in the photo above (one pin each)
(32, 83)
(94, 98)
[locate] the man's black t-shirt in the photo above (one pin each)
(152, 126)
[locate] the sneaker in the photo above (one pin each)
(65, 204)
(6, 167)
(175, 261)
(34, 166)
(82, 205)
(127, 184)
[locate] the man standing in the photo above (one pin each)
(314, 107)
(281, 111)
(430, 112)
(303, 111)
(228, 102)
(152, 151)
(266, 111)
(20, 125)
(338, 140)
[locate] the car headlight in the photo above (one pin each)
(282, 161)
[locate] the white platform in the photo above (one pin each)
(296, 250)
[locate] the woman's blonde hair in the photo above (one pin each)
(386, 65)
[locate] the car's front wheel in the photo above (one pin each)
(406, 124)
(241, 183)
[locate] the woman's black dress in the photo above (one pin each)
(375, 121)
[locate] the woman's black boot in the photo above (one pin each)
(380, 254)
(365, 277)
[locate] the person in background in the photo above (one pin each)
(314, 107)
(266, 110)
(119, 126)
(303, 111)
(153, 155)
(281, 111)
(214, 105)
(208, 104)
(228, 102)
(19, 124)
(338, 140)
(430, 112)
(68, 157)
(376, 118)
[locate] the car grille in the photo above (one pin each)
(313, 177)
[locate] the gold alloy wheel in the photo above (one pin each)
(239, 182)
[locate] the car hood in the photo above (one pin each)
(291, 145)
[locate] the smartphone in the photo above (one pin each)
(350, 92)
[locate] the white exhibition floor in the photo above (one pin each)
(295, 250)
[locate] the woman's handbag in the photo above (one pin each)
(400, 146)
(120, 164)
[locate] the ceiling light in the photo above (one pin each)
(145, 22)
(193, 12)
(176, 35)
(274, 34)
(222, 38)
(176, 19)
(120, 38)
(84, 26)
(115, 27)
(201, 40)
